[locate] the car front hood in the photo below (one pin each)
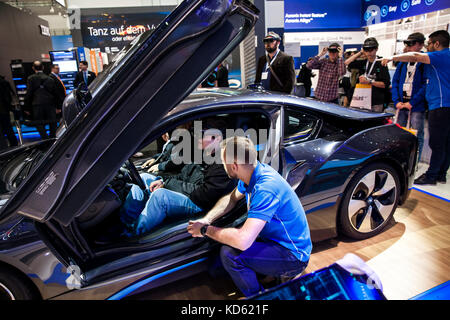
(155, 74)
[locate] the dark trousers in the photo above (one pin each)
(439, 129)
(267, 258)
(44, 114)
(6, 129)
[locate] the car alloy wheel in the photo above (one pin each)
(372, 201)
(5, 293)
(369, 201)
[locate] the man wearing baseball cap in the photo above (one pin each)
(408, 89)
(275, 70)
(330, 70)
(371, 72)
(437, 75)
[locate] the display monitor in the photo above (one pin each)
(68, 66)
(331, 283)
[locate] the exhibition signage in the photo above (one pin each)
(379, 11)
(352, 14)
(316, 14)
(111, 32)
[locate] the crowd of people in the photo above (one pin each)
(419, 88)
(43, 101)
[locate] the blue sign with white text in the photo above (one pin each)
(316, 14)
(379, 11)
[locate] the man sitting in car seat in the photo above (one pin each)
(197, 188)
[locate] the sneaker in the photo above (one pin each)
(424, 180)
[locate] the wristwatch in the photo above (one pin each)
(203, 229)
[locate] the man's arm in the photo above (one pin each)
(223, 206)
(241, 238)
(408, 57)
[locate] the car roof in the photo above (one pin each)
(218, 97)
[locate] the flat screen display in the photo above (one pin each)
(331, 283)
(316, 14)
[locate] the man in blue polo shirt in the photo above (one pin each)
(275, 238)
(437, 74)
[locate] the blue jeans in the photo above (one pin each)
(267, 258)
(143, 211)
(417, 123)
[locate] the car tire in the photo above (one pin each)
(14, 287)
(369, 202)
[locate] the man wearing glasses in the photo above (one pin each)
(437, 74)
(371, 72)
(275, 70)
(408, 89)
(330, 70)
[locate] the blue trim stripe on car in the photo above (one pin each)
(123, 293)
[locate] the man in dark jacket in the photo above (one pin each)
(60, 88)
(84, 75)
(275, 71)
(6, 94)
(197, 188)
(304, 77)
(41, 99)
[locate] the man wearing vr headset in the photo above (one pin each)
(275, 70)
(408, 89)
(437, 74)
(330, 70)
(371, 72)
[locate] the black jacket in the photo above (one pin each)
(6, 94)
(60, 91)
(305, 76)
(204, 185)
(40, 90)
(284, 68)
(79, 78)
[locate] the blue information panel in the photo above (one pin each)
(378, 11)
(68, 67)
(316, 14)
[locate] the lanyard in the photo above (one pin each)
(371, 68)
(271, 62)
(410, 75)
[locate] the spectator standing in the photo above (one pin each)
(304, 76)
(437, 74)
(371, 72)
(60, 88)
(41, 97)
(222, 76)
(330, 70)
(6, 96)
(408, 89)
(275, 70)
(84, 75)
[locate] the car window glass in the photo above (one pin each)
(298, 126)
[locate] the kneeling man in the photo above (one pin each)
(275, 238)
